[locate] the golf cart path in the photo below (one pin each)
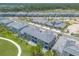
(18, 47)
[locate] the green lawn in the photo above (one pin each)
(7, 48)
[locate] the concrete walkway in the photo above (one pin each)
(18, 47)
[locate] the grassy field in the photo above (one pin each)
(7, 48)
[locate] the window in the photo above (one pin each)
(71, 55)
(46, 47)
(33, 40)
(46, 43)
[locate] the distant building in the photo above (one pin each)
(49, 24)
(40, 20)
(59, 24)
(56, 24)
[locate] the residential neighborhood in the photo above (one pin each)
(39, 33)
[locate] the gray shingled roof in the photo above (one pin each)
(6, 21)
(60, 44)
(74, 50)
(17, 25)
(2, 18)
(46, 36)
(59, 24)
(49, 24)
(41, 20)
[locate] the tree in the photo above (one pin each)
(36, 51)
(48, 53)
(55, 53)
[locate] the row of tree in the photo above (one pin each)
(37, 6)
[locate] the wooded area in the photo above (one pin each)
(4, 7)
